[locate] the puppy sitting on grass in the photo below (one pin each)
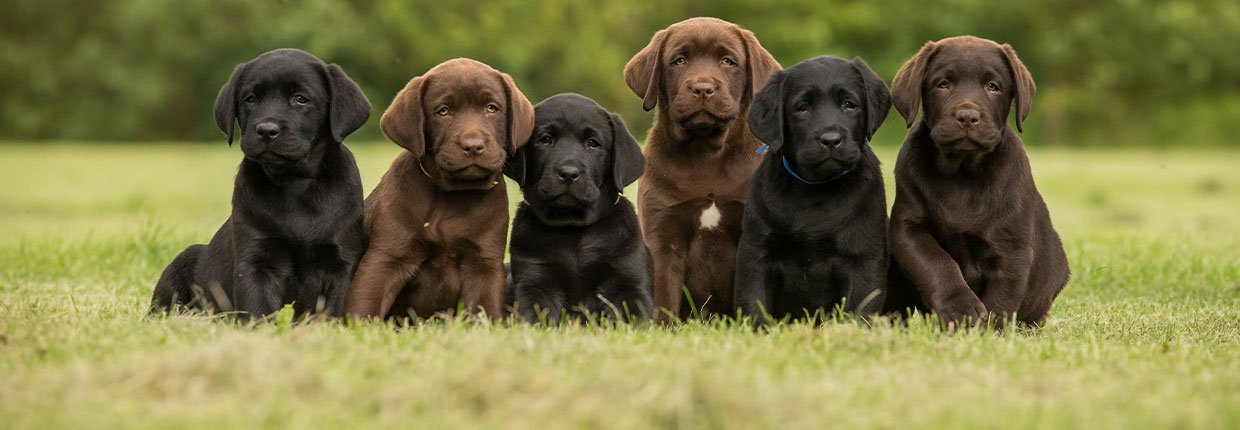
(576, 245)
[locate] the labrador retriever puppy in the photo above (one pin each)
(437, 221)
(702, 73)
(815, 229)
(969, 230)
(295, 233)
(576, 245)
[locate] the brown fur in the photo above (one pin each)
(698, 153)
(968, 228)
(438, 219)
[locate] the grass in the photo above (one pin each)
(1145, 335)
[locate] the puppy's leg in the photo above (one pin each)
(174, 285)
(867, 286)
(379, 278)
(752, 295)
(539, 302)
(482, 286)
(263, 271)
(322, 290)
(1006, 284)
(669, 280)
(935, 273)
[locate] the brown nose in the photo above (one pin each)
(473, 146)
(703, 90)
(967, 118)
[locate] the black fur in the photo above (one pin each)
(806, 248)
(576, 245)
(295, 233)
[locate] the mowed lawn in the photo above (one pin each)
(1146, 334)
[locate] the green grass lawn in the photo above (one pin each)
(1146, 335)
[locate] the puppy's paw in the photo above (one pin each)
(959, 309)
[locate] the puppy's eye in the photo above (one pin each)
(442, 111)
(943, 84)
(992, 87)
(250, 98)
(492, 108)
(802, 108)
(849, 105)
(727, 61)
(593, 143)
(544, 139)
(680, 61)
(300, 99)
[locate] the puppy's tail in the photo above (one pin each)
(175, 284)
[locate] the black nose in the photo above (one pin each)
(267, 130)
(473, 145)
(968, 118)
(831, 139)
(703, 90)
(568, 174)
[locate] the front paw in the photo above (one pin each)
(960, 309)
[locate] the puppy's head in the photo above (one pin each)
(579, 158)
(820, 113)
(967, 86)
(287, 103)
(703, 70)
(462, 120)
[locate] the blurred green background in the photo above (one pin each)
(1121, 73)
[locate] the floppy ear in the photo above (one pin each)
(877, 97)
(759, 64)
(520, 115)
(1025, 88)
(628, 162)
(766, 114)
(906, 87)
(226, 103)
(349, 108)
(403, 121)
(515, 167)
(644, 72)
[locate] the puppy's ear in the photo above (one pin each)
(520, 115)
(628, 162)
(877, 97)
(515, 167)
(766, 114)
(349, 108)
(906, 87)
(1025, 87)
(759, 64)
(404, 120)
(226, 103)
(644, 72)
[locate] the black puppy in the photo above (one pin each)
(295, 233)
(576, 244)
(815, 229)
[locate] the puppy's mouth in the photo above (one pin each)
(471, 172)
(274, 158)
(953, 139)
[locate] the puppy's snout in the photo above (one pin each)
(703, 89)
(473, 146)
(831, 139)
(267, 131)
(967, 118)
(568, 174)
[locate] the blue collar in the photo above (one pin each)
(788, 167)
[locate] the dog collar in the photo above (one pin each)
(788, 167)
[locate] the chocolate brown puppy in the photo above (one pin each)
(969, 228)
(702, 73)
(437, 221)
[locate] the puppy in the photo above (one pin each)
(437, 221)
(295, 233)
(702, 72)
(576, 244)
(815, 229)
(968, 227)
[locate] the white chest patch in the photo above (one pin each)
(710, 217)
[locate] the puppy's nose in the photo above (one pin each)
(267, 130)
(568, 174)
(473, 145)
(703, 90)
(968, 118)
(831, 139)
